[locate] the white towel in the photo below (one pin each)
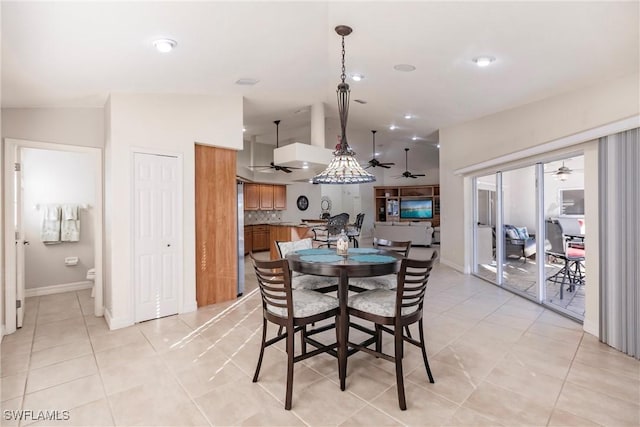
(50, 232)
(70, 228)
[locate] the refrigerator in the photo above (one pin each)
(240, 233)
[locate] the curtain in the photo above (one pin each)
(619, 228)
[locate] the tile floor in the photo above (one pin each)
(497, 360)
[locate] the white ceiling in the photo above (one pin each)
(75, 53)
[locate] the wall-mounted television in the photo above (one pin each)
(416, 208)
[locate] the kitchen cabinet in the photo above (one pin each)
(251, 197)
(248, 239)
(279, 197)
(260, 241)
(265, 197)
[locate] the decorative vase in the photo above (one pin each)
(342, 244)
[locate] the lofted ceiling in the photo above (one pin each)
(72, 54)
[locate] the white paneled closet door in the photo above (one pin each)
(157, 266)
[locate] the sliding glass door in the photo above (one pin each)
(529, 238)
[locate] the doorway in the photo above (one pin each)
(39, 176)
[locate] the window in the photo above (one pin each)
(571, 202)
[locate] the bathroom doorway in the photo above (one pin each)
(53, 223)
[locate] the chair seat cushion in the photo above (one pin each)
(310, 282)
(388, 281)
(575, 252)
(381, 302)
(306, 303)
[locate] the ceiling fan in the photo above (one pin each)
(286, 169)
(374, 162)
(406, 173)
(562, 173)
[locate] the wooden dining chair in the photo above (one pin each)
(292, 309)
(306, 281)
(392, 311)
(387, 281)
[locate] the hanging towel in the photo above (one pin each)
(70, 227)
(50, 232)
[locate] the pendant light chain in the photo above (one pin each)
(343, 76)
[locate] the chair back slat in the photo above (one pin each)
(412, 284)
(274, 281)
(402, 248)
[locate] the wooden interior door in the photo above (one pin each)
(216, 225)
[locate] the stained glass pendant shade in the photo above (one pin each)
(344, 168)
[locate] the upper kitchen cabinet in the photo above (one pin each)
(251, 197)
(265, 197)
(279, 197)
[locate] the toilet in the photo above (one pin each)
(91, 275)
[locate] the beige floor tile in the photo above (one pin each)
(477, 362)
(273, 377)
(122, 377)
(159, 403)
(271, 416)
(533, 360)
(210, 373)
(560, 418)
(610, 360)
(59, 326)
(124, 355)
(14, 363)
(555, 332)
(232, 403)
(613, 384)
(22, 346)
(590, 404)
(62, 314)
(469, 417)
(60, 373)
(11, 418)
(60, 336)
(366, 380)
(423, 407)
(189, 354)
(450, 382)
(60, 353)
(169, 336)
(556, 319)
(537, 387)
(237, 338)
(370, 416)
(218, 328)
(96, 325)
(22, 334)
(66, 396)
(117, 338)
(498, 318)
(506, 407)
(546, 345)
(489, 334)
(324, 394)
(93, 414)
(12, 386)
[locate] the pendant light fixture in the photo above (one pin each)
(344, 168)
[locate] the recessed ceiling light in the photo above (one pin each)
(438, 146)
(305, 166)
(357, 77)
(246, 81)
(165, 45)
(408, 116)
(483, 61)
(392, 127)
(415, 138)
(404, 67)
(244, 129)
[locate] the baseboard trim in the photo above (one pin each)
(591, 328)
(452, 265)
(58, 289)
(116, 323)
(188, 308)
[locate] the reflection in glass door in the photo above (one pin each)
(519, 231)
(565, 244)
(485, 223)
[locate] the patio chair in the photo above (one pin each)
(571, 273)
(329, 233)
(353, 231)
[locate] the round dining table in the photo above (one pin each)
(359, 262)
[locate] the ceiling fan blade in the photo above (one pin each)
(260, 166)
(417, 175)
(413, 176)
(286, 170)
(384, 165)
(387, 164)
(370, 165)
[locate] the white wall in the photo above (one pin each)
(517, 129)
(57, 177)
(520, 198)
(172, 124)
(72, 126)
(295, 190)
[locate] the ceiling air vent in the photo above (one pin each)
(247, 82)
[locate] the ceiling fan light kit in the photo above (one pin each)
(562, 173)
(344, 167)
